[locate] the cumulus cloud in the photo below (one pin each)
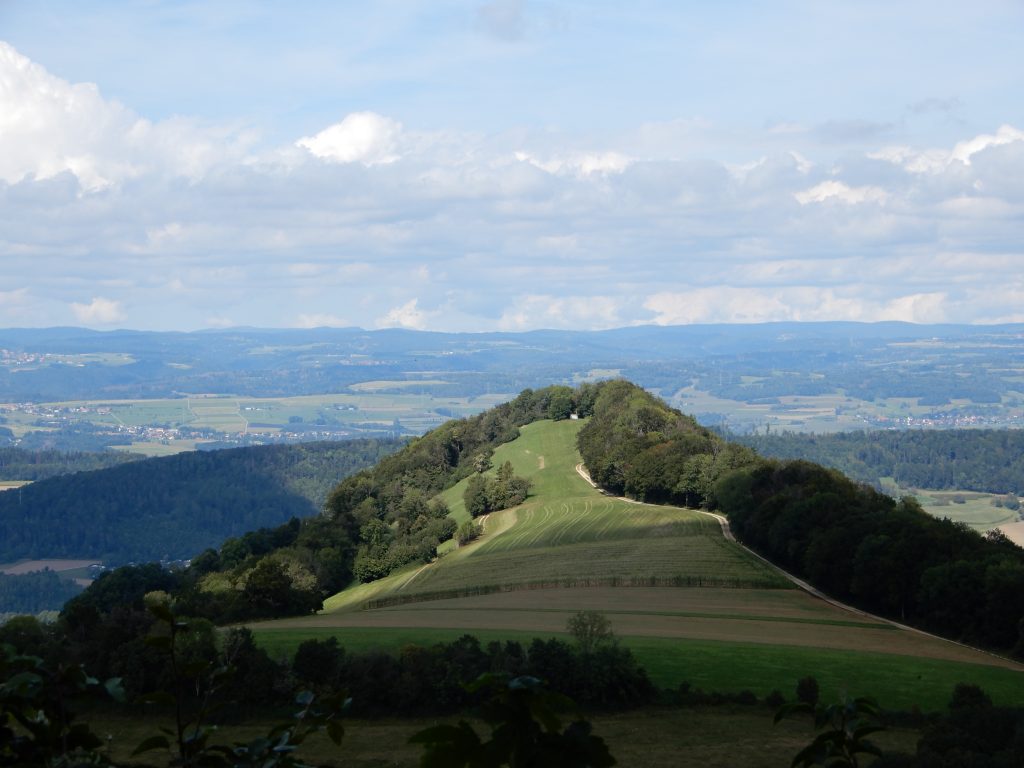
(579, 164)
(546, 311)
(839, 192)
(172, 224)
(965, 150)
(49, 126)
(728, 304)
(408, 315)
(99, 311)
(938, 160)
(361, 137)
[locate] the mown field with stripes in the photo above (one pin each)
(675, 588)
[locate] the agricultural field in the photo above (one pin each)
(975, 509)
(691, 604)
(161, 427)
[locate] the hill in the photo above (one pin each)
(985, 460)
(31, 465)
(692, 604)
(177, 506)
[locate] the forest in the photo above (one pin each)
(24, 464)
(845, 538)
(174, 507)
(985, 460)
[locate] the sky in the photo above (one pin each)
(509, 165)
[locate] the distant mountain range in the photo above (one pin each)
(54, 364)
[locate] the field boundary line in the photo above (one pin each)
(811, 590)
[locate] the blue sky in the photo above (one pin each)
(509, 165)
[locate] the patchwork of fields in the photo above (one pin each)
(674, 587)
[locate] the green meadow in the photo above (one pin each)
(526, 574)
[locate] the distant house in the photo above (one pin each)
(574, 416)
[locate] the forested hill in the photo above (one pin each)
(375, 521)
(847, 539)
(22, 464)
(986, 460)
(176, 506)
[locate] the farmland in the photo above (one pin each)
(692, 605)
(162, 426)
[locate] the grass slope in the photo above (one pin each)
(523, 579)
(568, 533)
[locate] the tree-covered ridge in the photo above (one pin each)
(637, 445)
(175, 506)
(847, 539)
(388, 510)
(985, 460)
(34, 592)
(22, 464)
(886, 556)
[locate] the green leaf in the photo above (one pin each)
(335, 731)
(153, 742)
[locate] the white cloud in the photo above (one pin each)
(837, 191)
(49, 126)
(938, 160)
(408, 315)
(519, 229)
(362, 137)
(579, 164)
(99, 311)
(1006, 134)
(727, 304)
(535, 311)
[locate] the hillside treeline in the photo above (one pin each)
(176, 506)
(985, 460)
(35, 592)
(889, 557)
(387, 510)
(22, 464)
(845, 538)
(638, 446)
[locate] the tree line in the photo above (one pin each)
(388, 512)
(985, 460)
(846, 538)
(22, 464)
(174, 507)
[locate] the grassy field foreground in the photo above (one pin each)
(693, 606)
(722, 737)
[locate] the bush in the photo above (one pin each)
(807, 690)
(468, 531)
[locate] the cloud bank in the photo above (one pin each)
(108, 218)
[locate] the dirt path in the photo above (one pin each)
(808, 588)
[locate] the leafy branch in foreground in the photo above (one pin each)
(525, 732)
(206, 677)
(37, 726)
(849, 723)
